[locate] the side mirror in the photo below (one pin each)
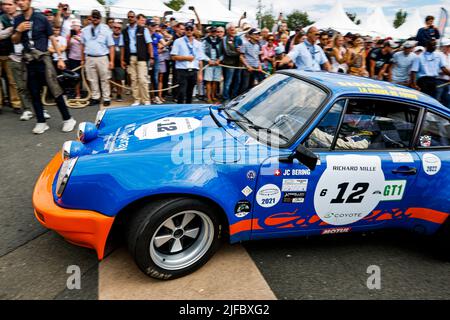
(304, 156)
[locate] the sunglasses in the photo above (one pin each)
(131, 17)
(189, 29)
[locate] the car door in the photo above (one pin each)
(430, 204)
(363, 179)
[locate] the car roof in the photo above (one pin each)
(343, 84)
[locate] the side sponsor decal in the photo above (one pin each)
(336, 230)
(394, 190)
(294, 197)
(349, 189)
(246, 191)
(401, 157)
(294, 219)
(294, 185)
(431, 164)
(166, 127)
(268, 195)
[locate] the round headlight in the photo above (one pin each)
(99, 117)
(87, 131)
(72, 149)
(64, 175)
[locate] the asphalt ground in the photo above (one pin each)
(34, 261)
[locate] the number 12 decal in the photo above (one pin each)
(356, 197)
(171, 126)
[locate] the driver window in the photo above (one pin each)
(323, 135)
(376, 124)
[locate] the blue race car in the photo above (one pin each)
(300, 154)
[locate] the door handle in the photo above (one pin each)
(409, 171)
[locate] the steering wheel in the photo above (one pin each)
(280, 119)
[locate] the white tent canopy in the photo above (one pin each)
(208, 11)
(412, 24)
(148, 8)
(337, 19)
(377, 23)
(82, 7)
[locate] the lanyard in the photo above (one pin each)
(190, 46)
(313, 52)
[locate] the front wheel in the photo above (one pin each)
(171, 238)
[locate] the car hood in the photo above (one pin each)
(160, 129)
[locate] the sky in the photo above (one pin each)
(318, 8)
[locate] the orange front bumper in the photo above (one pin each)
(81, 227)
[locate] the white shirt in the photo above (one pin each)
(61, 42)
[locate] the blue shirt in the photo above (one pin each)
(156, 38)
(97, 40)
(428, 64)
(39, 33)
(308, 57)
(251, 52)
(182, 47)
(402, 66)
(132, 35)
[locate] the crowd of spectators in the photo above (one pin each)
(151, 60)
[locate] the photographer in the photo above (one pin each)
(33, 31)
(425, 34)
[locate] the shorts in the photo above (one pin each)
(213, 74)
(162, 66)
(118, 74)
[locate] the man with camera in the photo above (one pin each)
(425, 34)
(33, 31)
(98, 57)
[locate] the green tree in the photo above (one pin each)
(400, 18)
(298, 19)
(175, 4)
(267, 20)
(353, 17)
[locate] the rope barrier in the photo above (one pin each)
(79, 103)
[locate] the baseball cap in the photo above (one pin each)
(150, 22)
(279, 50)
(212, 29)
(96, 14)
(189, 25)
(349, 35)
(419, 48)
(47, 12)
(254, 31)
(409, 44)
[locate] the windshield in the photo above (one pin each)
(281, 105)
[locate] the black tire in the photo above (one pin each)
(143, 226)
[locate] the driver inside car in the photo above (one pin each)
(354, 134)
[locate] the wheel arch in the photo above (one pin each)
(126, 212)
